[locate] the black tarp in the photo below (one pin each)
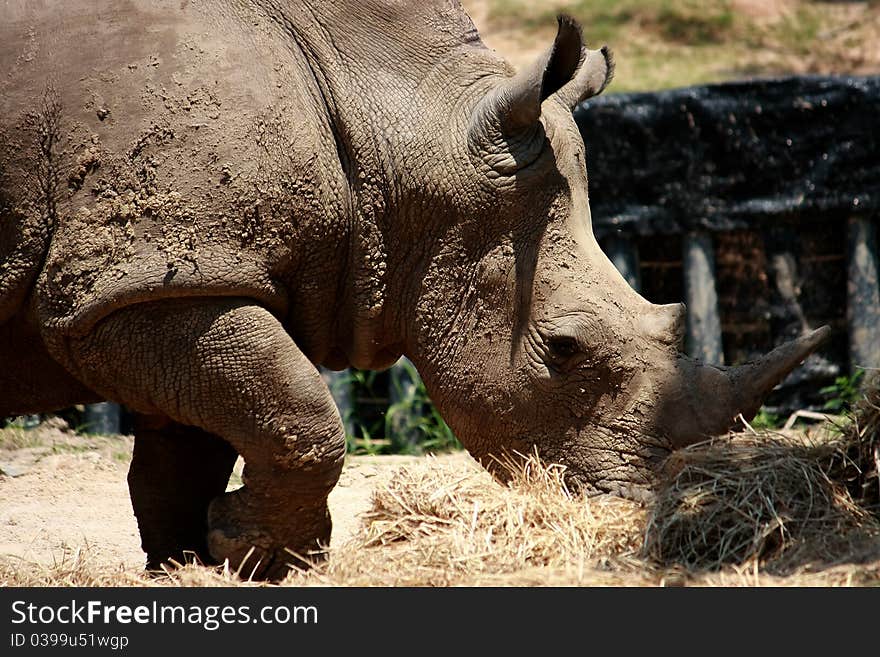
(729, 156)
(774, 168)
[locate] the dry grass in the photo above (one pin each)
(748, 510)
(858, 464)
(777, 500)
(438, 525)
(74, 567)
(768, 509)
(82, 566)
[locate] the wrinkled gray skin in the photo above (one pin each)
(202, 201)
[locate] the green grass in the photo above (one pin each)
(45, 443)
(602, 18)
(123, 456)
(12, 438)
(669, 43)
(681, 24)
(683, 20)
(800, 31)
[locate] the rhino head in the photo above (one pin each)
(536, 342)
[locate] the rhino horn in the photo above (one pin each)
(705, 400)
(754, 381)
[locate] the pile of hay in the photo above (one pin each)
(439, 524)
(788, 502)
(858, 465)
(754, 508)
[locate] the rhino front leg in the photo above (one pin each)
(175, 473)
(228, 367)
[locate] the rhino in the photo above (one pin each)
(201, 202)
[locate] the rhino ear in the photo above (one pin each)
(594, 74)
(516, 105)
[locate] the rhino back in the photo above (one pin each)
(156, 149)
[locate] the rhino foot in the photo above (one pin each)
(261, 541)
(175, 473)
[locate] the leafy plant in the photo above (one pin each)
(766, 420)
(844, 392)
(386, 414)
(412, 421)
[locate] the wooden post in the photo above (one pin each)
(401, 385)
(862, 294)
(703, 319)
(102, 418)
(624, 254)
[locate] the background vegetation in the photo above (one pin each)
(668, 43)
(390, 414)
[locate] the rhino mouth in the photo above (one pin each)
(620, 459)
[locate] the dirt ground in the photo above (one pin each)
(62, 492)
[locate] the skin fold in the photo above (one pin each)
(201, 202)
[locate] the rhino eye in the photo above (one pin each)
(562, 347)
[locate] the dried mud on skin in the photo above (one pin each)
(749, 509)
